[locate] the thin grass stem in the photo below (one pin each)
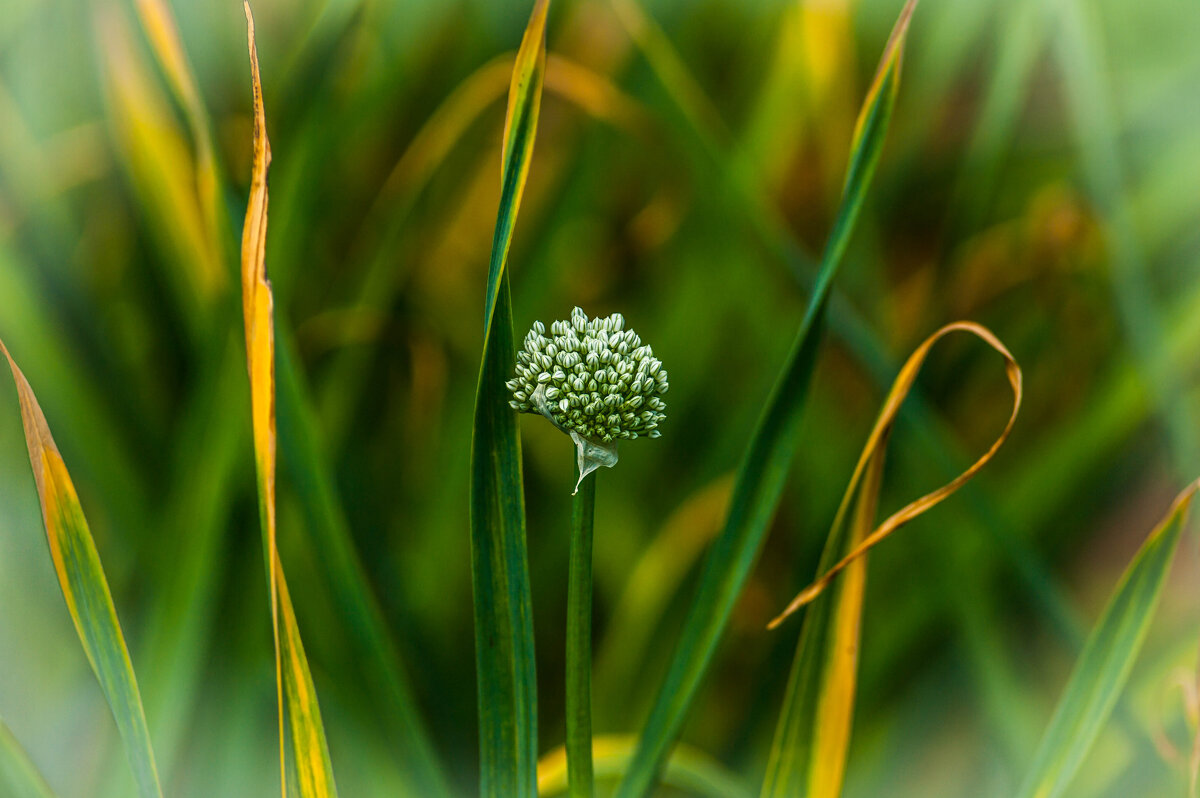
(579, 642)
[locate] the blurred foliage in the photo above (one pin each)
(1040, 178)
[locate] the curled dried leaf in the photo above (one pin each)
(878, 440)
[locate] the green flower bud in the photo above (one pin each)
(592, 377)
(594, 380)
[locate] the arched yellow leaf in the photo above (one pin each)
(878, 439)
(808, 755)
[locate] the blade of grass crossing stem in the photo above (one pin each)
(19, 777)
(310, 752)
(688, 769)
(504, 647)
(81, 577)
(763, 472)
(808, 756)
(1103, 667)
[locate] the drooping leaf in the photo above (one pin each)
(85, 588)
(808, 756)
(504, 647)
(294, 685)
(1103, 668)
(764, 470)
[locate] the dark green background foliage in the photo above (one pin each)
(1040, 177)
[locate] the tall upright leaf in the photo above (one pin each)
(504, 648)
(1103, 668)
(762, 473)
(302, 453)
(81, 577)
(294, 682)
(808, 756)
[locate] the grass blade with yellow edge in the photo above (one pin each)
(1103, 668)
(763, 472)
(81, 577)
(19, 777)
(808, 756)
(688, 769)
(505, 665)
(292, 676)
(379, 652)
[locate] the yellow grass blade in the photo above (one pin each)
(161, 30)
(313, 772)
(878, 439)
(293, 680)
(156, 154)
(688, 769)
(81, 577)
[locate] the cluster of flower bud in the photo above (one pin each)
(594, 378)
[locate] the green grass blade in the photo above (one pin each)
(304, 457)
(1103, 668)
(19, 777)
(763, 471)
(1079, 47)
(81, 577)
(505, 665)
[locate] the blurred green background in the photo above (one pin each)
(1041, 177)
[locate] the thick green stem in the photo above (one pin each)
(579, 642)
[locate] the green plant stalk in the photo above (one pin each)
(579, 642)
